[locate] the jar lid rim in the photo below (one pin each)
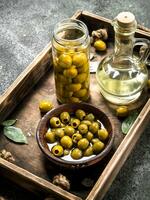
(70, 22)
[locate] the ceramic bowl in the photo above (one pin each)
(71, 108)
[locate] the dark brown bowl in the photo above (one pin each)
(76, 164)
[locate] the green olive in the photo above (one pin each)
(84, 68)
(67, 94)
(98, 147)
(65, 61)
(122, 111)
(71, 72)
(76, 137)
(50, 136)
(66, 152)
(94, 127)
(88, 151)
(62, 125)
(76, 154)
(45, 106)
(62, 79)
(80, 114)
(83, 143)
(74, 100)
(74, 87)
(69, 130)
(57, 150)
(86, 84)
(80, 78)
(55, 122)
(100, 45)
(87, 122)
(80, 93)
(59, 132)
(65, 117)
(79, 59)
(83, 128)
(75, 122)
(89, 136)
(90, 117)
(66, 142)
(102, 134)
(94, 140)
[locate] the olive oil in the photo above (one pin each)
(120, 84)
(122, 76)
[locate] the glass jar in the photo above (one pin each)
(70, 50)
(121, 75)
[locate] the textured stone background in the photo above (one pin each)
(25, 28)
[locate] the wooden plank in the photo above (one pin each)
(139, 32)
(25, 82)
(121, 155)
(32, 182)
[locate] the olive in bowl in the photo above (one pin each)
(75, 135)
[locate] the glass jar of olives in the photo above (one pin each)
(70, 49)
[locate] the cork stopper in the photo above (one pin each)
(126, 19)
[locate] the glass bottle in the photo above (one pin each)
(122, 76)
(70, 50)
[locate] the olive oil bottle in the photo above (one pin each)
(122, 76)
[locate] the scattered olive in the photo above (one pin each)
(122, 111)
(100, 45)
(45, 106)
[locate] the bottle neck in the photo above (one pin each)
(124, 45)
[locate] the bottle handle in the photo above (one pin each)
(144, 50)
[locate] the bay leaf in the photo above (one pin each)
(9, 122)
(15, 134)
(128, 122)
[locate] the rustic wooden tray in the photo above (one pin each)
(31, 169)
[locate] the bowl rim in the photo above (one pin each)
(76, 163)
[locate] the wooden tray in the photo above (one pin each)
(31, 169)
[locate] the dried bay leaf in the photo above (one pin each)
(15, 134)
(128, 122)
(9, 122)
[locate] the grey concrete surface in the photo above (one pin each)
(25, 28)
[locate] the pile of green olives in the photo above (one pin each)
(77, 134)
(71, 67)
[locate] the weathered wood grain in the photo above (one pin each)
(30, 169)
